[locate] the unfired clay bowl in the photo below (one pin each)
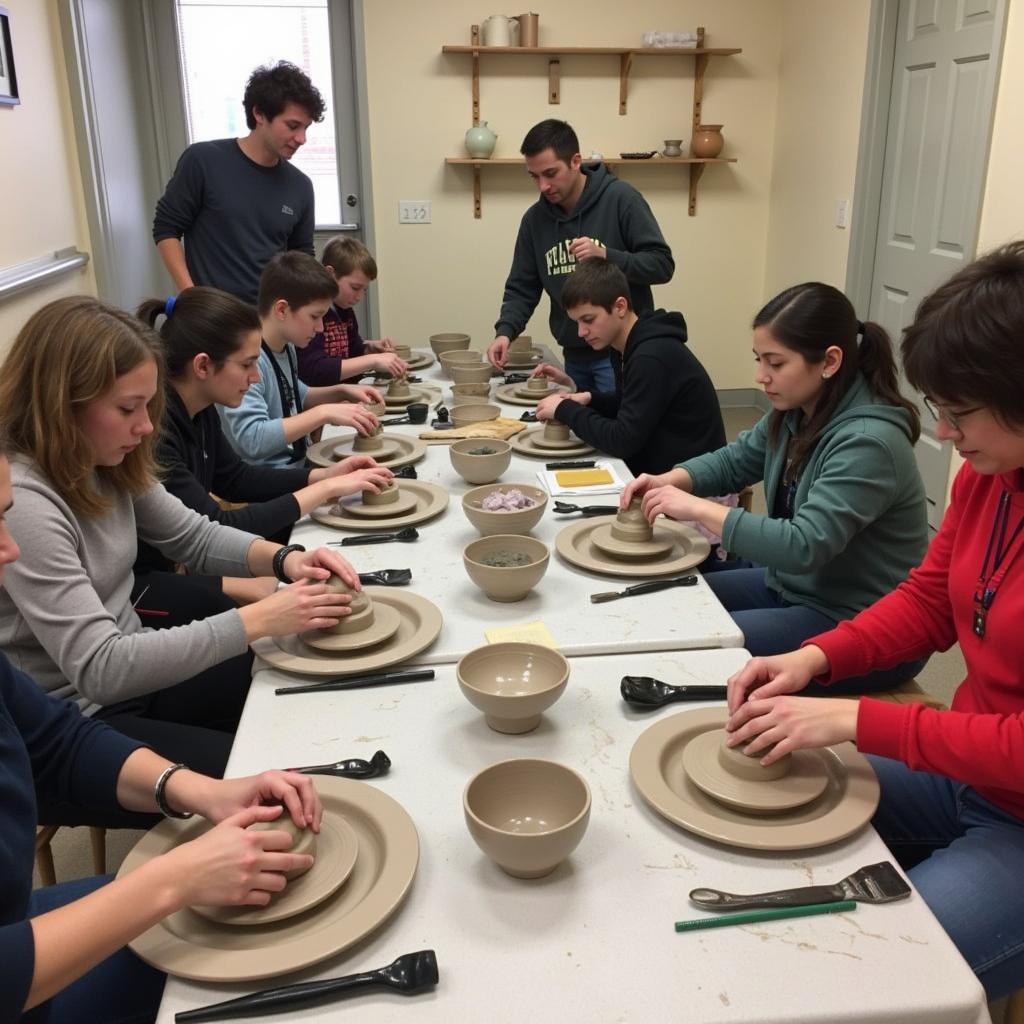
(303, 839)
(403, 352)
(527, 815)
(464, 415)
(506, 583)
(521, 344)
(471, 374)
(448, 342)
(459, 358)
(480, 469)
(474, 391)
(519, 521)
(512, 683)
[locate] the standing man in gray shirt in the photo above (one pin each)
(239, 202)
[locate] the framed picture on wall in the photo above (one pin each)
(8, 78)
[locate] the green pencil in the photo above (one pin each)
(756, 916)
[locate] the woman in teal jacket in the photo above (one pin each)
(847, 515)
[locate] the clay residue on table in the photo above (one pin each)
(787, 939)
(679, 863)
(369, 739)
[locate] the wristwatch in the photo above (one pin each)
(279, 556)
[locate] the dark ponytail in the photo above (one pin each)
(809, 319)
(200, 320)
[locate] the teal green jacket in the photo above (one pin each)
(859, 516)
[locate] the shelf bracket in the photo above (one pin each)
(476, 192)
(700, 66)
(554, 81)
(475, 38)
(696, 170)
(625, 65)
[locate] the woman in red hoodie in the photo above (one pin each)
(952, 806)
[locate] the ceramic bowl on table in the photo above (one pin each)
(527, 814)
(464, 415)
(506, 582)
(450, 342)
(469, 356)
(519, 521)
(472, 373)
(512, 684)
(479, 460)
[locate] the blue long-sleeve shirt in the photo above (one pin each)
(46, 747)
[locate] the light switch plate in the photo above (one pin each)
(414, 211)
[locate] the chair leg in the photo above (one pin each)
(44, 855)
(1014, 1012)
(98, 839)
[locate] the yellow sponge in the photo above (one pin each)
(583, 477)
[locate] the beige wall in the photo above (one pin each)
(40, 180)
(449, 275)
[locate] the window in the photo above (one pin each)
(222, 41)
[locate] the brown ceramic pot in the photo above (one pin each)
(707, 141)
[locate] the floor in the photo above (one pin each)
(71, 852)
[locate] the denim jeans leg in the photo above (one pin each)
(119, 990)
(971, 881)
(592, 375)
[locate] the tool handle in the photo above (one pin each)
(651, 586)
(366, 538)
(358, 682)
(757, 916)
(802, 896)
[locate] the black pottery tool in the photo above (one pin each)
(352, 768)
(415, 412)
(409, 974)
(412, 675)
(876, 883)
(409, 533)
(529, 416)
(386, 578)
(406, 473)
(643, 588)
(647, 692)
(567, 508)
(577, 464)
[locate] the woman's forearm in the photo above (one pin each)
(303, 423)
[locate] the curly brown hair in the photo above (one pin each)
(272, 87)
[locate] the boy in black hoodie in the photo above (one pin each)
(664, 408)
(582, 212)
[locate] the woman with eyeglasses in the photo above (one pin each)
(952, 782)
(846, 507)
(212, 346)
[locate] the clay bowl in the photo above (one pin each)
(527, 815)
(448, 342)
(477, 391)
(506, 583)
(512, 683)
(521, 345)
(480, 469)
(520, 521)
(471, 374)
(403, 352)
(459, 358)
(303, 839)
(464, 415)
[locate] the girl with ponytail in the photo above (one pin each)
(211, 343)
(847, 515)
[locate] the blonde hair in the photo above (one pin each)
(68, 354)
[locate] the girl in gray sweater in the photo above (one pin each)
(80, 392)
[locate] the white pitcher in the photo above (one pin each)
(500, 30)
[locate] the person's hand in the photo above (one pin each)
(230, 866)
(349, 465)
(351, 414)
(553, 373)
(546, 407)
(776, 674)
(583, 248)
(640, 486)
(296, 608)
(361, 393)
(497, 351)
(217, 799)
(379, 345)
(319, 564)
(669, 501)
(374, 479)
(780, 725)
(388, 362)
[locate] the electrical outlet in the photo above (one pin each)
(414, 211)
(842, 213)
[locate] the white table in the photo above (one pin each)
(594, 941)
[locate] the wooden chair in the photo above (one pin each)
(746, 499)
(1013, 1013)
(44, 855)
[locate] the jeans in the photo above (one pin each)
(965, 857)
(592, 374)
(773, 625)
(119, 990)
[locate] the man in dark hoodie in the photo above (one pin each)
(582, 212)
(663, 404)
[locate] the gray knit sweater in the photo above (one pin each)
(66, 617)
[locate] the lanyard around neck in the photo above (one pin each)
(289, 394)
(1001, 552)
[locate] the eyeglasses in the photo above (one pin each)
(953, 419)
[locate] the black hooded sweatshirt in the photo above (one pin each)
(664, 409)
(612, 213)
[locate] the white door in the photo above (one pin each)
(940, 121)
